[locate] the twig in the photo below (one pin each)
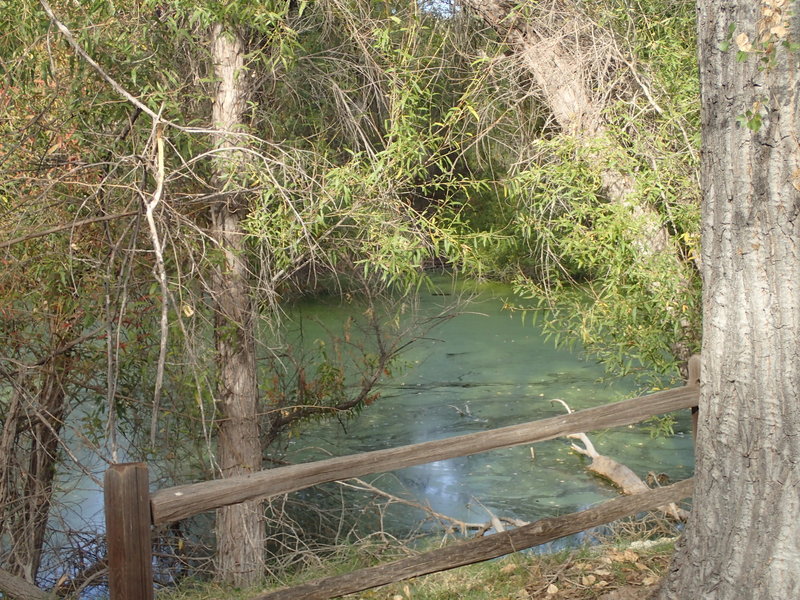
(495, 522)
(554, 577)
(367, 487)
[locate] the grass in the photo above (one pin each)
(626, 565)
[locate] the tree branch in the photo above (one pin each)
(57, 228)
(20, 589)
(161, 274)
(110, 80)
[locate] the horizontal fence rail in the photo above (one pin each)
(175, 503)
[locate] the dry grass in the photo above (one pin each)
(606, 572)
(626, 564)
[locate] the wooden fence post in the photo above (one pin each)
(693, 380)
(127, 506)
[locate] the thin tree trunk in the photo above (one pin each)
(240, 528)
(29, 447)
(743, 539)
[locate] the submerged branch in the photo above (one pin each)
(620, 475)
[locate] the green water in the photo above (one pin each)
(481, 370)
(478, 371)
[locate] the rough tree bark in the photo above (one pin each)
(240, 528)
(743, 539)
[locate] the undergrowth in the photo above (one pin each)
(624, 561)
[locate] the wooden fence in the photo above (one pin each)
(131, 510)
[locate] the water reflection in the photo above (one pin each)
(486, 369)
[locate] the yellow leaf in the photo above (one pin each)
(588, 580)
(617, 556)
(780, 31)
(631, 556)
(552, 589)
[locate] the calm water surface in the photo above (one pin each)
(478, 371)
(482, 370)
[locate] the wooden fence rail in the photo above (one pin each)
(130, 510)
(172, 504)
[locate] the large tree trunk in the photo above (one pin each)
(240, 528)
(743, 539)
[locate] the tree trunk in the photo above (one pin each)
(29, 447)
(240, 528)
(743, 539)
(568, 55)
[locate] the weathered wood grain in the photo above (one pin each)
(172, 504)
(126, 496)
(480, 549)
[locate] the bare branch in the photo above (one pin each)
(161, 274)
(57, 228)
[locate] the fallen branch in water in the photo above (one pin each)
(617, 473)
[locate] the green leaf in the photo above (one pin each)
(754, 123)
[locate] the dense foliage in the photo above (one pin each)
(379, 136)
(577, 253)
